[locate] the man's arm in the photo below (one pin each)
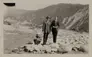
(51, 25)
(43, 26)
(58, 24)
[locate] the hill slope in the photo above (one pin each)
(79, 21)
(61, 10)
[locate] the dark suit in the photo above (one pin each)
(54, 26)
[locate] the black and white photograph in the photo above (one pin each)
(46, 27)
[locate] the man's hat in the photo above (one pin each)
(48, 17)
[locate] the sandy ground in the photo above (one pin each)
(18, 37)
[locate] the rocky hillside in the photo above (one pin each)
(62, 10)
(79, 21)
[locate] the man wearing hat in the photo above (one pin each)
(46, 29)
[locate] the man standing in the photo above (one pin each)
(46, 29)
(55, 25)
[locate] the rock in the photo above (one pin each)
(47, 48)
(61, 50)
(68, 48)
(75, 49)
(20, 49)
(25, 49)
(28, 48)
(83, 48)
(54, 47)
(15, 50)
(37, 47)
(54, 50)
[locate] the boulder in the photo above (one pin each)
(47, 48)
(28, 48)
(83, 48)
(61, 50)
(54, 47)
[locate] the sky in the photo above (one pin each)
(38, 4)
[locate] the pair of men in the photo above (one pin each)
(49, 26)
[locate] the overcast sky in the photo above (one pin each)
(37, 4)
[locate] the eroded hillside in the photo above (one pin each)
(79, 21)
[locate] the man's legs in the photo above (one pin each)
(45, 37)
(54, 32)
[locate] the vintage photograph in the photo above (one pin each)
(46, 28)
